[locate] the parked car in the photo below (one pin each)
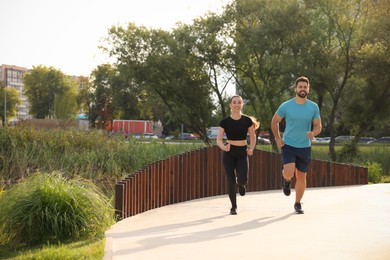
(262, 140)
(321, 140)
(187, 136)
(343, 139)
(212, 133)
(149, 136)
(366, 140)
(383, 140)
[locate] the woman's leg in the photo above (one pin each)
(242, 170)
(229, 166)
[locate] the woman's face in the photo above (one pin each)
(236, 104)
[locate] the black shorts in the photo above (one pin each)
(300, 156)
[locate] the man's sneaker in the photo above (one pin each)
(241, 189)
(233, 211)
(286, 187)
(298, 208)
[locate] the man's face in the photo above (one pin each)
(302, 89)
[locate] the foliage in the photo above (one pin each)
(179, 76)
(385, 179)
(92, 155)
(65, 105)
(370, 88)
(163, 65)
(348, 151)
(270, 38)
(84, 94)
(374, 172)
(49, 208)
(12, 100)
(44, 87)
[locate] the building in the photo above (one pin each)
(12, 76)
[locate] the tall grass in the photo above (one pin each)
(91, 155)
(51, 208)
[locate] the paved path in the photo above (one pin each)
(348, 222)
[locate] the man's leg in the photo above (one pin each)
(300, 185)
(302, 163)
(288, 173)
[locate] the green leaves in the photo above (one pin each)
(47, 207)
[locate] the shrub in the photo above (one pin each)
(374, 172)
(349, 152)
(48, 208)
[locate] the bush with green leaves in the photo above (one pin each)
(49, 208)
(374, 172)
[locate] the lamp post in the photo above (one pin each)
(2, 84)
(5, 106)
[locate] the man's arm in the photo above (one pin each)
(317, 127)
(275, 129)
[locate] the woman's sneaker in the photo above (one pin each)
(298, 208)
(241, 190)
(233, 211)
(286, 185)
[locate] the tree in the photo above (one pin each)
(269, 39)
(101, 111)
(211, 36)
(12, 101)
(84, 95)
(42, 86)
(65, 105)
(365, 104)
(162, 63)
(339, 22)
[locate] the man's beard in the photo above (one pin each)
(302, 94)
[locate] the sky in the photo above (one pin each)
(65, 34)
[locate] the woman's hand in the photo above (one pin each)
(249, 151)
(227, 148)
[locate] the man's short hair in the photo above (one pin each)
(301, 79)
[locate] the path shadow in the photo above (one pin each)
(160, 240)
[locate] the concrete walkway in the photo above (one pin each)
(348, 222)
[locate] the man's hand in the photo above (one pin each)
(310, 135)
(279, 142)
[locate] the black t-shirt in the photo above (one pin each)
(236, 129)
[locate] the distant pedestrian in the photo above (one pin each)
(236, 151)
(300, 114)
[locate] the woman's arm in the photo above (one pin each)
(220, 144)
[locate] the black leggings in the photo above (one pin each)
(236, 164)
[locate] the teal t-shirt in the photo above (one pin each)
(299, 119)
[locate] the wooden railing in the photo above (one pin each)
(200, 174)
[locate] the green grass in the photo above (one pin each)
(86, 249)
(92, 155)
(103, 160)
(48, 216)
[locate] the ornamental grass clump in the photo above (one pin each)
(48, 208)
